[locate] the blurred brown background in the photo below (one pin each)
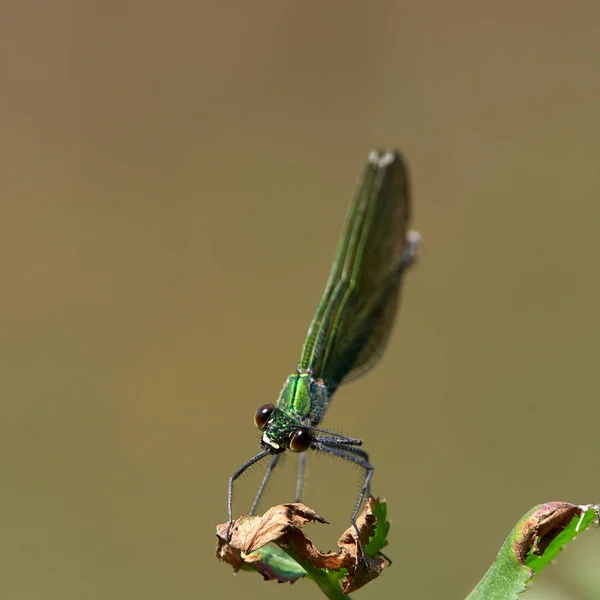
(174, 177)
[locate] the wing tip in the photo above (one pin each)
(412, 250)
(414, 237)
(384, 158)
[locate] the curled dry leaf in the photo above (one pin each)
(543, 526)
(283, 525)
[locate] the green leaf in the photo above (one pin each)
(379, 540)
(274, 563)
(587, 516)
(532, 544)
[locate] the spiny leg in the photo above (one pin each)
(345, 444)
(364, 456)
(357, 451)
(263, 483)
(361, 454)
(335, 438)
(300, 479)
(335, 450)
(245, 466)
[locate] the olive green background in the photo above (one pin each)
(174, 177)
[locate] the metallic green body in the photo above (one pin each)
(302, 397)
(349, 330)
(354, 318)
(302, 403)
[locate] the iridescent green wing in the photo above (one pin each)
(313, 344)
(354, 318)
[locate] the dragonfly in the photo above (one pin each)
(350, 328)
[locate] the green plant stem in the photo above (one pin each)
(332, 591)
(330, 588)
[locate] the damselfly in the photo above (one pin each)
(350, 328)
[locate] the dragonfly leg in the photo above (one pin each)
(361, 454)
(358, 451)
(338, 441)
(336, 450)
(352, 450)
(245, 466)
(263, 483)
(300, 480)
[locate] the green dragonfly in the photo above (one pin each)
(350, 328)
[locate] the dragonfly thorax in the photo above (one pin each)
(301, 405)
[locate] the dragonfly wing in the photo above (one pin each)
(355, 315)
(313, 345)
(368, 348)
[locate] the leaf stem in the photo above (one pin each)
(330, 587)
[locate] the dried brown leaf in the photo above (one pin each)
(251, 533)
(230, 555)
(283, 524)
(542, 526)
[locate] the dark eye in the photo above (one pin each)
(263, 414)
(301, 440)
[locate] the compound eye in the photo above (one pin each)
(301, 440)
(262, 416)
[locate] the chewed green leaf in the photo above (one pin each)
(379, 540)
(588, 516)
(531, 545)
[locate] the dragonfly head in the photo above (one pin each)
(280, 433)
